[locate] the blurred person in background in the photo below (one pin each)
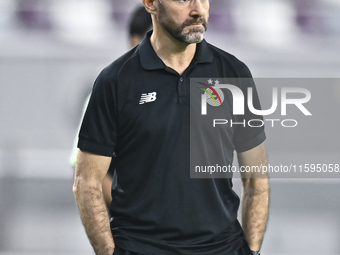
(138, 115)
(308, 17)
(140, 22)
(33, 14)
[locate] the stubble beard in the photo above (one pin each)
(182, 32)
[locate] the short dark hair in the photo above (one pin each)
(140, 22)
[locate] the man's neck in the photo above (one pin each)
(173, 53)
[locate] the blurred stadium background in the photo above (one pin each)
(52, 50)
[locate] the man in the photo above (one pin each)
(157, 208)
(140, 22)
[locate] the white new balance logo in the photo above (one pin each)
(147, 98)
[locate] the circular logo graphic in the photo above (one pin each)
(213, 99)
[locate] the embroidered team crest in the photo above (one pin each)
(148, 97)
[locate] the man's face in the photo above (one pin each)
(185, 20)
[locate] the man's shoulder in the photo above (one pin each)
(224, 54)
(113, 69)
(227, 58)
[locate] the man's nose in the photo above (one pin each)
(199, 7)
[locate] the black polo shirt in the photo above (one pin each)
(139, 113)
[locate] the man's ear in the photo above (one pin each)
(150, 6)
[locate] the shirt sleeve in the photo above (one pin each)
(98, 131)
(250, 133)
(74, 152)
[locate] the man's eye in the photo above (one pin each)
(183, 1)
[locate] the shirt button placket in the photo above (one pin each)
(181, 91)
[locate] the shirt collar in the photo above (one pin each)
(150, 60)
